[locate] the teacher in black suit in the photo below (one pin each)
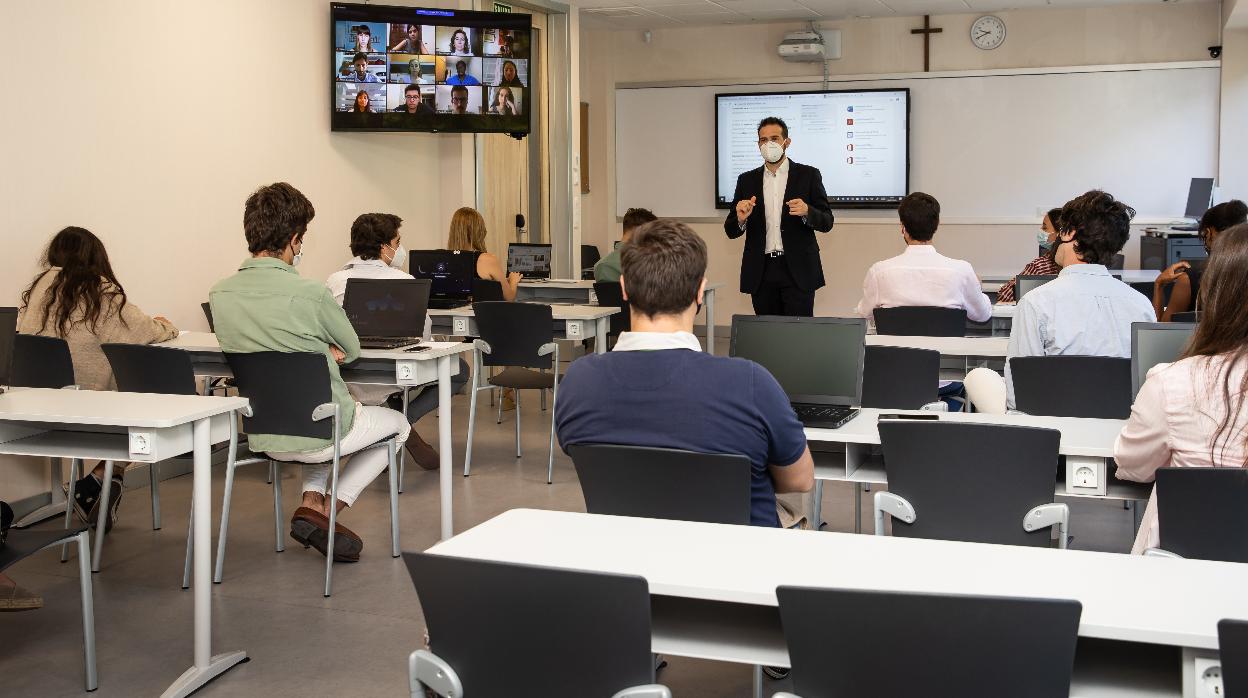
(779, 207)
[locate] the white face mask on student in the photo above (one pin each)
(773, 152)
(294, 261)
(397, 260)
(1042, 239)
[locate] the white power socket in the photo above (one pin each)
(1208, 676)
(405, 371)
(1085, 477)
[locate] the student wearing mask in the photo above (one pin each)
(1191, 413)
(1183, 279)
(608, 268)
(467, 234)
(1040, 266)
(267, 306)
(78, 298)
(379, 254)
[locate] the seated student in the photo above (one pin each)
(1040, 266)
(666, 392)
(467, 234)
(266, 306)
(921, 276)
(78, 298)
(379, 254)
(1185, 280)
(608, 268)
(1190, 413)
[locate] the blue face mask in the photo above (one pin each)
(1042, 239)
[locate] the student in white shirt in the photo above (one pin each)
(921, 276)
(379, 254)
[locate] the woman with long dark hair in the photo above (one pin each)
(78, 298)
(1191, 413)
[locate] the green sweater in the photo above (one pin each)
(267, 306)
(608, 268)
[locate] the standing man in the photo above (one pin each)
(779, 207)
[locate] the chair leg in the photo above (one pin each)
(219, 572)
(516, 393)
(153, 479)
(402, 457)
(500, 405)
(75, 466)
(333, 518)
(394, 500)
(816, 506)
(88, 611)
(275, 474)
(190, 547)
(102, 518)
(472, 425)
(543, 392)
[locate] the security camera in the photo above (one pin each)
(1215, 51)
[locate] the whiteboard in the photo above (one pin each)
(992, 148)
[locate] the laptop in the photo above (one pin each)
(449, 273)
(1155, 343)
(8, 331)
(387, 313)
(817, 360)
(532, 260)
(1199, 199)
(1029, 282)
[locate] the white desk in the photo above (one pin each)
(983, 347)
(377, 367)
(572, 322)
(992, 280)
(140, 428)
(714, 599)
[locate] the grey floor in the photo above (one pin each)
(300, 643)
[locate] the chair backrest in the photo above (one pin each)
(1202, 513)
(610, 294)
(590, 256)
(487, 291)
(906, 644)
(142, 368)
(515, 331)
(8, 332)
(900, 378)
(1117, 261)
(510, 629)
(920, 321)
(1093, 387)
(283, 388)
(207, 307)
(970, 482)
(663, 483)
(1233, 650)
(41, 362)
(1188, 317)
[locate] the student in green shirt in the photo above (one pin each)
(608, 268)
(267, 306)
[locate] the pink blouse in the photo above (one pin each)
(1172, 424)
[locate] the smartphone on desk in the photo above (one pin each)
(923, 416)
(418, 347)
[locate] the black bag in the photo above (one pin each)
(6, 520)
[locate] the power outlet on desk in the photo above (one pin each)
(1209, 678)
(1085, 477)
(405, 371)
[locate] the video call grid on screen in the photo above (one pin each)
(858, 139)
(423, 69)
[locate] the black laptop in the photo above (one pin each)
(8, 330)
(817, 360)
(387, 313)
(450, 274)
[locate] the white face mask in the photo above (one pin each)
(1042, 239)
(294, 262)
(772, 151)
(397, 260)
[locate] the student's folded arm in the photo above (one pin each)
(869, 295)
(1143, 446)
(978, 308)
(798, 476)
(137, 327)
(788, 457)
(1180, 298)
(341, 334)
(731, 226)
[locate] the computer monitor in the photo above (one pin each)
(532, 260)
(815, 359)
(1029, 282)
(450, 273)
(1199, 197)
(1155, 343)
(387, 307)
(8, 330)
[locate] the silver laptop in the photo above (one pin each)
(1155, 343)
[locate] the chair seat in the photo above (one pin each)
(23, 544)
(523, 379)
(265, 456)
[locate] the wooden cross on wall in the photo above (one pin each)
(927, 32)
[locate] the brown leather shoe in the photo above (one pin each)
(15, 598)
(421, 452)
(311, 528)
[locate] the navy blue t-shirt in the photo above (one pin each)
(683, 399)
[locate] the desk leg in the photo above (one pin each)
(207, 667)
(56, 506)
(758, 681)
(444, 441)
(601, 325)
(708, 298)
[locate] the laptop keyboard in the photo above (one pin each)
(387, 342)
(823, 413)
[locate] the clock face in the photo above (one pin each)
(988, 32)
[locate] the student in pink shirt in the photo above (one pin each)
(1192, 413)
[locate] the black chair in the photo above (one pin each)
(1116, 262)
(619, 480)
(1233, 648)
(920, 321)
(610, 295)
(8, 334)
(208, 314)
(520, 338)
(1092, 387)
(20, 545)
(1189, 316)
(486, 291)
(908, 644)
(980, 483)
(506, 629)
(900, 378)
(590, 256)
(289, 395)
(1203, 513)
(41, 362)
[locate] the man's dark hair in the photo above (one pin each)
(662, 266)
(371, 231)
(463, 63)
(774, 121)
(1224, 215)
(273, 215)
(411, 88)
(1101, 225)
(459, 88)
(920, 215)
(360, 56)
(635, 217)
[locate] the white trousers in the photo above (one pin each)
(372, 424)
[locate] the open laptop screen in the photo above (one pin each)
(1155, 343)
(451, 273)
(387, 307)
(532, 260)
(816, 360)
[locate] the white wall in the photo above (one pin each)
(1233, 163)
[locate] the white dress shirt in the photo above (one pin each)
(921, 276)
(656, 341)
(773, 203)
(1083, 312)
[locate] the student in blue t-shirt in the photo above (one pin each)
(665, 392)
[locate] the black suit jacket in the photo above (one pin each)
(801, 250)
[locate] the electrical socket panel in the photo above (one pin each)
(1208, 676)
(1085, 476)
(141, 444)
(405, 371)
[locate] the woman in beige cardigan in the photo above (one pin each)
(78, 298)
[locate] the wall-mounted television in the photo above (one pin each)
(859, 140)
(425, 69)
